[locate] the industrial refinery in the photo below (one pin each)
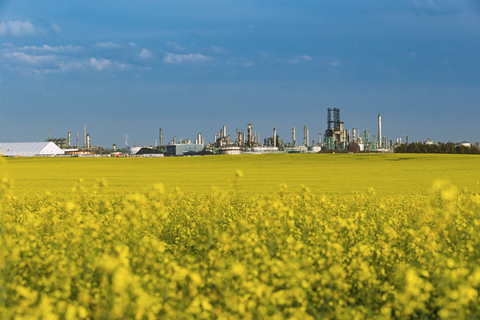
(335, 138)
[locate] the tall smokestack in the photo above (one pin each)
(320, 140)
(293, 136)
(77, 140)
(224, 131)
(274, 137)
(160, 137)
(249, 135)
(305, 141)
(380, 142)
(69, 139)
(84, 135)
(88, 142)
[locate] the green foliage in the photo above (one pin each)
(417, 147)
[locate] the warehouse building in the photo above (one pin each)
(30, 149)
(183, 149)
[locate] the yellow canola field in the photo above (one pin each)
(229, 253)
(322, 173)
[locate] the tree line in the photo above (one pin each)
(449, 147)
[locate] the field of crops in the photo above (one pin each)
(283, 236)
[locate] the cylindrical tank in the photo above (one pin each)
(354, 147)
(230, 150)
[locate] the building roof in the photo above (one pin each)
(146, 150)
(29, 149)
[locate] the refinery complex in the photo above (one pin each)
(336, 138)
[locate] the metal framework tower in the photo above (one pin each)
(329, 119)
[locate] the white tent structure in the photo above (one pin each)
(30, 149)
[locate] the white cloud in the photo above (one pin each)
(107, 45)
(300, 58)
(247, 64)
(64, 67)
(45, 47)
(218, 49)
(181, 58)
(99, 64)
(46, 59)
(55, 28)
(30, 59)
(334, 63)
(264, 54)
(17, 29)
(305, 57)
(175, 46)
(145, 54)
(132, 44)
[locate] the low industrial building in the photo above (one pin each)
(183, 149)
(133, 150)
(147, 152)
(76, 152)
(30, 149)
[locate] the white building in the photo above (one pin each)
(464, 143)
(30, 149)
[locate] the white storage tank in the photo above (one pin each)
(230, 150)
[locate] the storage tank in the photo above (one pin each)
(230, 150)
(354, 147)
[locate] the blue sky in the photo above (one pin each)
(130, 67)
